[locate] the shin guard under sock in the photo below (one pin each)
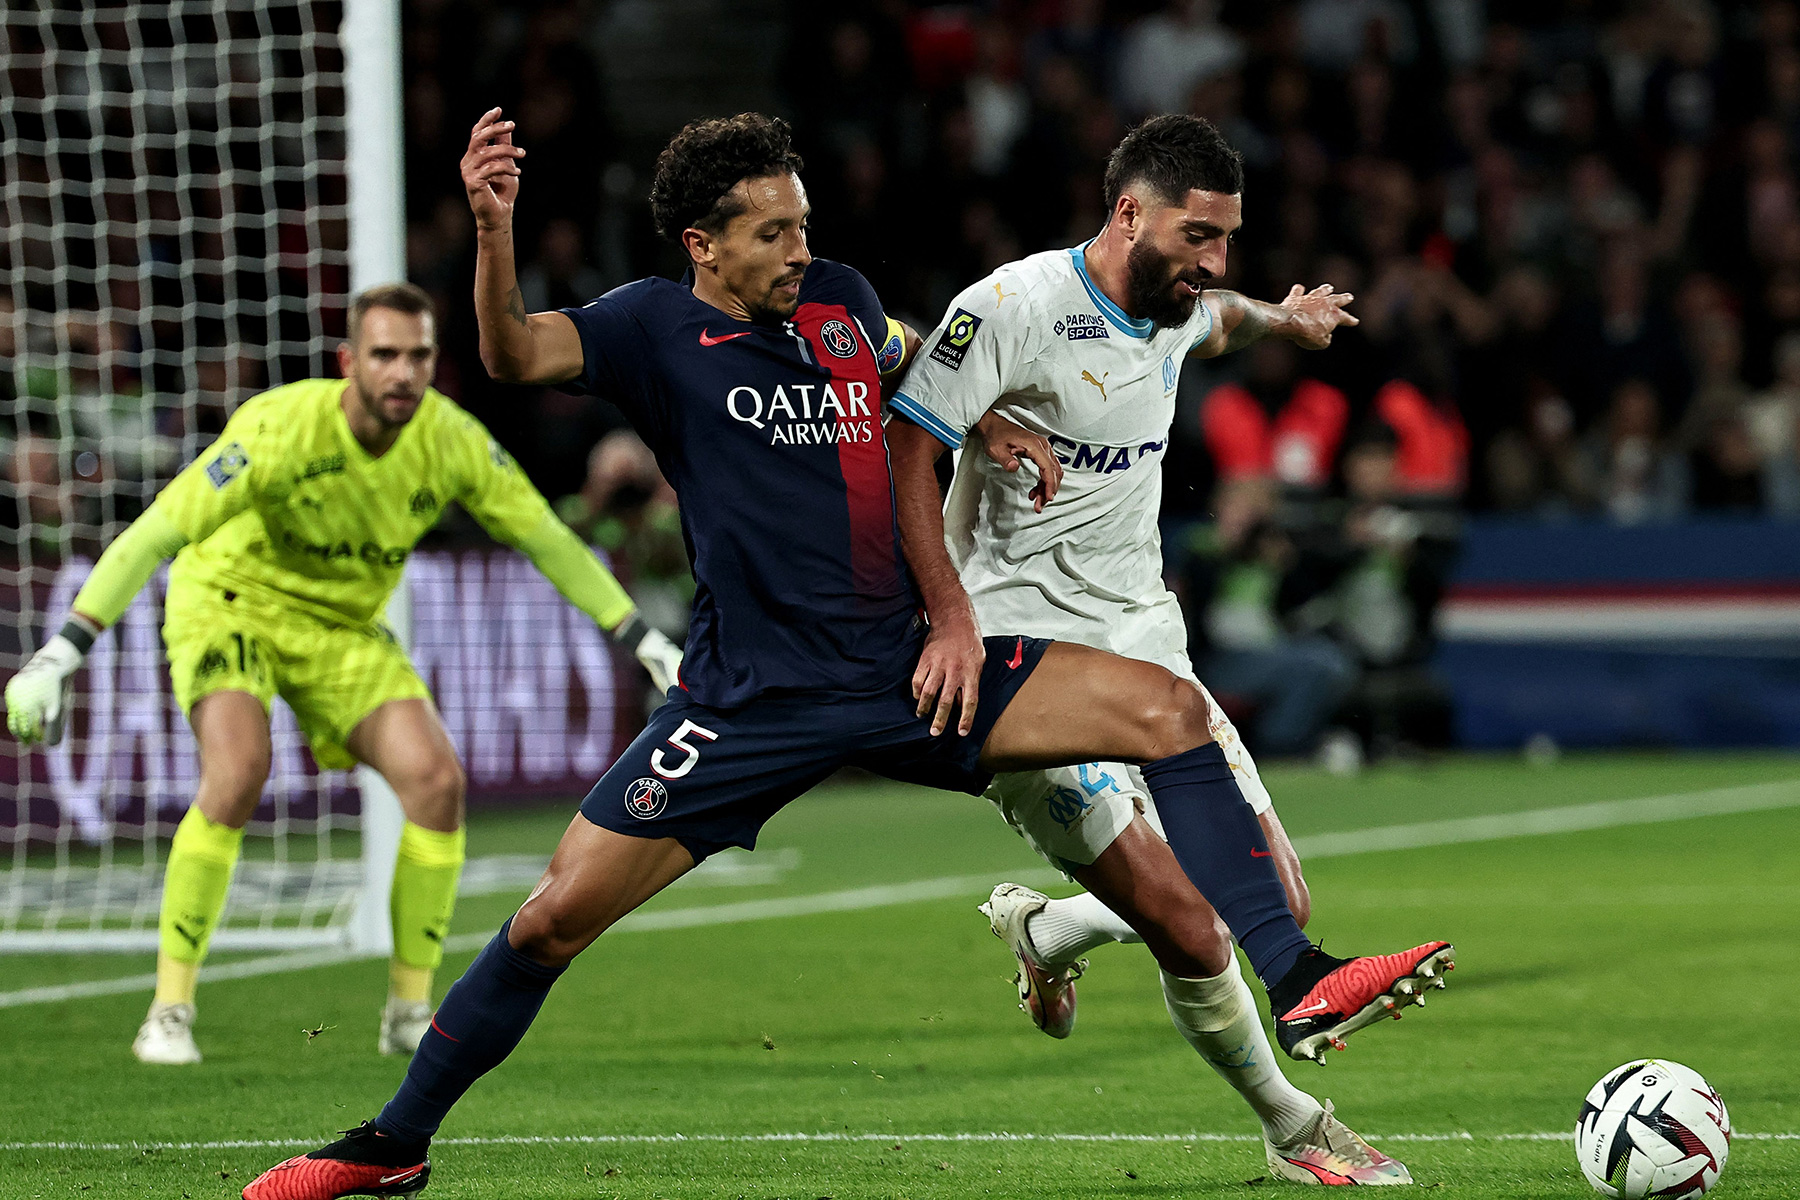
(1218, 1018)
(1219, 843)
(482, 1018)
(201, 860)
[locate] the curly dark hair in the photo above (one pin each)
(1174, 154)
(698, 168)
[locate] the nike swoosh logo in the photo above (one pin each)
(1315, 1006)
(1018, 655)
(193, 939)
(1255, 853)
(392, 1178)
(722, 338)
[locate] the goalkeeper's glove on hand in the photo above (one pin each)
(660, 656)
(37, 698)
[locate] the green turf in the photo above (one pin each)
(1577, 952)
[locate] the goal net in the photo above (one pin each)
(174, 237)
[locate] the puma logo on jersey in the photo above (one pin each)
(1000, 296)
(1099, 383)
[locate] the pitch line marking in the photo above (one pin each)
(1576, 818)
(663, 1139)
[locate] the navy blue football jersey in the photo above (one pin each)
(771, 436)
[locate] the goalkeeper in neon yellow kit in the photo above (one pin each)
(288, 534)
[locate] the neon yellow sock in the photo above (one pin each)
(424, 895)
(412, 984)
(201, 860)
(175, 980)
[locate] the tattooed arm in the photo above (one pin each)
(516, 346)
(1308, 319)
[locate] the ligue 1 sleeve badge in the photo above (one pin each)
(646, 798)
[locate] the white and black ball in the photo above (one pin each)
(1652, 1128)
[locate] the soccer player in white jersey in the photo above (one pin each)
(1084, 347)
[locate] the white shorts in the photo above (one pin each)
(1070, 814)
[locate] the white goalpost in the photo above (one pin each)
(189, 192)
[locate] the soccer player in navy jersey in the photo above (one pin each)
(757, 381)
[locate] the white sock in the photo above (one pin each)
(1064, 930)
(1218, 1018)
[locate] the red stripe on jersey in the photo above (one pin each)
(862, 450)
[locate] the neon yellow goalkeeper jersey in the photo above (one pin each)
(289, 506)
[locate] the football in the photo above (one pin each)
(1652, 1128)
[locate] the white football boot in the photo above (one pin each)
(1329, 1152)
(166, 1038)
(403, 1025)
(1046, 992)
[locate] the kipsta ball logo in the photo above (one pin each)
(646, 798)
(838, 339)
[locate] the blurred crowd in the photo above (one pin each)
(1572, 228)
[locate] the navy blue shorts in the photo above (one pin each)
(712, 778)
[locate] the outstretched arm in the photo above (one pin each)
(1308, 319)
(516, 346)
(498, 495)
(206, 493)
(37, 697)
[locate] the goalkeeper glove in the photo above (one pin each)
(660, 656)
(37, 698)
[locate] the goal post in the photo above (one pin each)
(375, 129)
(190, 190)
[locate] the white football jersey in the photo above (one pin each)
(1040, 343)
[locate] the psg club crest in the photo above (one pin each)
(646, 798)
(838, 339)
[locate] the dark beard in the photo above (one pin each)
(1151, 288)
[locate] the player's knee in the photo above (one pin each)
(236, 777)
(435, 793)
(447, 786)
(1175, 718)
(550, 931)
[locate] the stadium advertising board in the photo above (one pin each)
(530, 690)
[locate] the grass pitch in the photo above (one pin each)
(672, 1062)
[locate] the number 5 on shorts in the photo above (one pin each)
(660, 765)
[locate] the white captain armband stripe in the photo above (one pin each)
(919, 415)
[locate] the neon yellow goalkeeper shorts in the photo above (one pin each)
(331, 674)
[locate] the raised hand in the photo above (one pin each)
(490, 171)
(1310, 318)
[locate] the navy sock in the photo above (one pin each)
(482, 1018)
(1219, 843)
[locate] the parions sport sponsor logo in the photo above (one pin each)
(1081, 327)
(1102, 460)
(806, 414)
